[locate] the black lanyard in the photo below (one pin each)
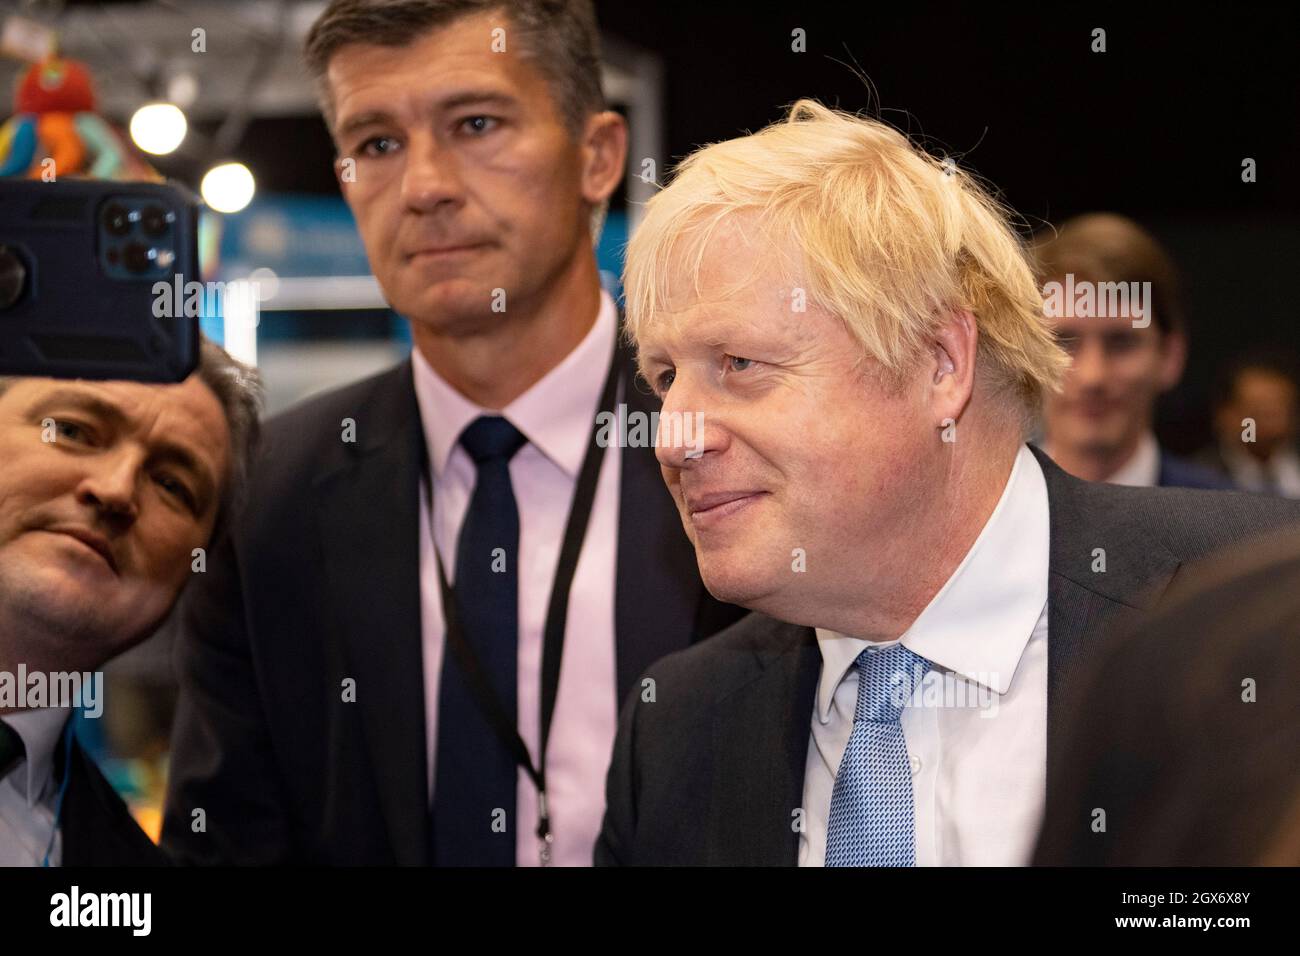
(556, 614)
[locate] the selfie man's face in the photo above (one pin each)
(466, 178)
(800, 450)
(1116, 374)
(97, 525)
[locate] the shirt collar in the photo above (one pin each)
(1142, 470)
(1282, 461)
(981, 620)
(555, 414)
(39, 729)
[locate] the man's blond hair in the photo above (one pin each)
(892, 241)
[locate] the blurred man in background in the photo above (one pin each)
(107, 491)
(373, 672)
(1100, 426)
(1255, 416)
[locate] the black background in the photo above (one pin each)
(1155, 128)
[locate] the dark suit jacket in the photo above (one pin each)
(1178, 472)
(319, 582)
(711, 771)
(97, 828)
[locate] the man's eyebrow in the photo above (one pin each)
(475, 97)
(83, 400)
(362, 120)
(454, 101)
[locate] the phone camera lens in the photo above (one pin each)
(138, 257)
(13, 276)
(155, 220)
(116, 220)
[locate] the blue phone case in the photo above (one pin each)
(77, 293)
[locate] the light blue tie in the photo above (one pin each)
(871, 805)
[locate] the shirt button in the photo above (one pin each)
(916, 764)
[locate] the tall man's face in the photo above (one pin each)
(808, 466)
(106, 489)
(460, 172)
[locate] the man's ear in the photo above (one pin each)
(604, 155)
(952, 366)
(1173, 358)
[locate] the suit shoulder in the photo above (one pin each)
(1193, 522)
(730, 655)
(307, 435)
(328, 409)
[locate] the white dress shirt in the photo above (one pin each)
(1142, 470)
(1281, 476)
(976, 732)
(28, 792)
(556, 416)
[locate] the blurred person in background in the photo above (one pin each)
(328, 713)
(1255, 414)
(106, 491)
(1183, 740)
(1100, 426)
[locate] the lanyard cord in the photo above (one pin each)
(556, 616)
(63, 787)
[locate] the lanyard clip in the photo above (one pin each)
(544, 835)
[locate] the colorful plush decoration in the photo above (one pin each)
(54, 117)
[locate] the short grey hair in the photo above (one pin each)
(560, 37)
(238, 388)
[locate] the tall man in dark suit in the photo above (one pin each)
(108, 491)
(862, 334)
(374, 672)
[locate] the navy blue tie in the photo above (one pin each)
(475, 774)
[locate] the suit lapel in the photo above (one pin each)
(760, 747)
(657, 587)
(1083, 604)
(97, 828)
(368, 516)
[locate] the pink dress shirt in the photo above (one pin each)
(556, 415)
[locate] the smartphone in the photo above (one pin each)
(87, 272)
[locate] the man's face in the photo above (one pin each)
(1110, 391)
(807, 464)
(466, 178)
(106, 489)
(1269, 399)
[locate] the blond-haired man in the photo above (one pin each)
(860, 330)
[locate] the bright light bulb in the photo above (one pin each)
(228, 187)
(158, 128)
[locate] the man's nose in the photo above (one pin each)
(431, 177)
(688, 427)
(111, 486)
